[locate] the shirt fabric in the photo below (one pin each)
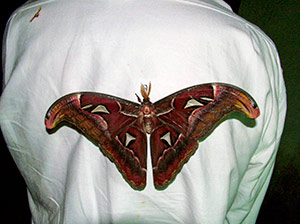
(112, 46)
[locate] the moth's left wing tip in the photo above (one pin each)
(58, 109)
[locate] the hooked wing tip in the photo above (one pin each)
(238, 98)
(255, 112)
(50, 119)
(247, 104)
(57, 110)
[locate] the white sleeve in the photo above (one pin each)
(255, 181)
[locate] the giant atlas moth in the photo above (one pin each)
(175, 124)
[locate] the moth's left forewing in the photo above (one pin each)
(117, 113)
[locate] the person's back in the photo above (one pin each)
(111, 47)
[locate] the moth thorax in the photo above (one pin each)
(147, 119)
(147, 110)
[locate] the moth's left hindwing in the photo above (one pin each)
(109, 122)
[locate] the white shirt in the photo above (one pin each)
(112, 46)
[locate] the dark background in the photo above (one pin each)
(280, 19)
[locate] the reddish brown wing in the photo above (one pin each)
(109, 122)
(188, 116)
